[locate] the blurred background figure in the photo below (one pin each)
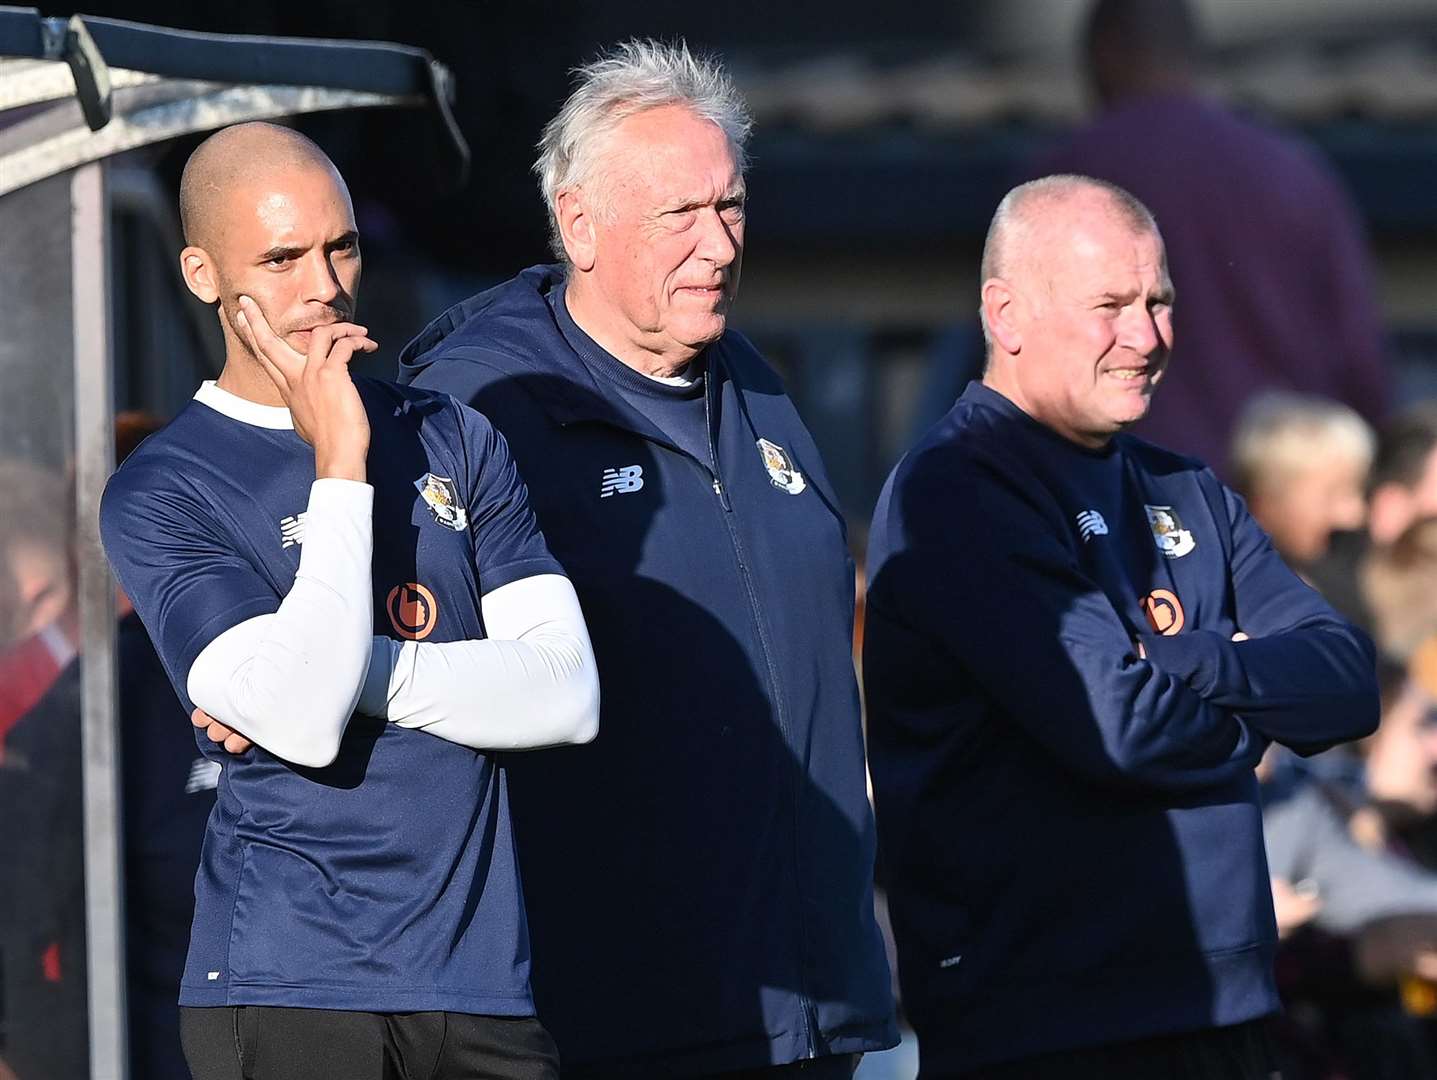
(1401, 490)
(1302, 463)
(42, 905)
(1267, 254)
(168, 789)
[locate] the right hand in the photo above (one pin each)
(318, 389)
(228, 737)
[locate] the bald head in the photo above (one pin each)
(1036, 219)
(238, 157)
(1076, 306)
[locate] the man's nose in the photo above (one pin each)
(320, 283)
(1140, 331)
(721, 241)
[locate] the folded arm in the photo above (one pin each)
(1305, 677)
(289, 680)
(530, 683)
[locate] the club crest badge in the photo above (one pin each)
(1168, 533)
(780, 468)
(442, 496)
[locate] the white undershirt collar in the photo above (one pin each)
(685, 377)
(242, 409)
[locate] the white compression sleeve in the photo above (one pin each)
(531, 683)
(289, 681)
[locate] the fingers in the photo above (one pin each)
(231, 739)
(336, 343)
(281, 363)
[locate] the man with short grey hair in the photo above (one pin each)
(699, 879)
(1077, 646)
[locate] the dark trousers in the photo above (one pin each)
(1240, 1052)
(833, 1067)
(258, 1042)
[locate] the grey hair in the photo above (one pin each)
(633, 77)
(1012, 221)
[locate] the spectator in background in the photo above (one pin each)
(1401, 490)
(38, 625)
(1267, 252)
(1301, 462)
(43, 1031)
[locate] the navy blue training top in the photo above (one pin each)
(718, 829)
(386, 881)
(1071, 835)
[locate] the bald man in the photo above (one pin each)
(345, 582)
(1077, 647)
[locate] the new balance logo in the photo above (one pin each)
(291, 530)
(621, 481)
(1091, 524)
(204, 776)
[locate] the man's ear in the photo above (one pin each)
(576, 216)
(198, 271)
(1000, 309)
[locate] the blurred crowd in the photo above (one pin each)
(1352, 832)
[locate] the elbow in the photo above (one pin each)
(310, 754)
(584, 719)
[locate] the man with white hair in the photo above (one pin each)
(1077, 647)
(699, 879)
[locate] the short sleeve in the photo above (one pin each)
(171, 558)
(508, 544)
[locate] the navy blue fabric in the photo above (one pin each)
(169, 793)
(386, 881)
(1072, 836)
(700, 877)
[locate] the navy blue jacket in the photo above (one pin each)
(1071, 834)
(698, 879)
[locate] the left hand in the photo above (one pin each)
(231, 739)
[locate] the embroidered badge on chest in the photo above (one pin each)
(442, 497)
(780, 468)
(1168, 533)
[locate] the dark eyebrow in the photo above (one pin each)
(281, 253)
(352, 236)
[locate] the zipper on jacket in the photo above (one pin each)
(780, 704)
(713, 445)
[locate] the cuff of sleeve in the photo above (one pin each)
(1205, 660)
(374, 694)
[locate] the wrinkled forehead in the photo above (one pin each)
(672, 152)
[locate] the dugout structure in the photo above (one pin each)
(75, 95)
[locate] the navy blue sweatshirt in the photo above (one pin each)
(699, 878)
(1071, 834)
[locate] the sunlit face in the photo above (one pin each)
(1303, 508)
(1095, 323)
(289, 242)
(1402, 756)
(668, 239)
(44, 585)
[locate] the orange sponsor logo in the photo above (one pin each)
(1164, 611)
(412, 610)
